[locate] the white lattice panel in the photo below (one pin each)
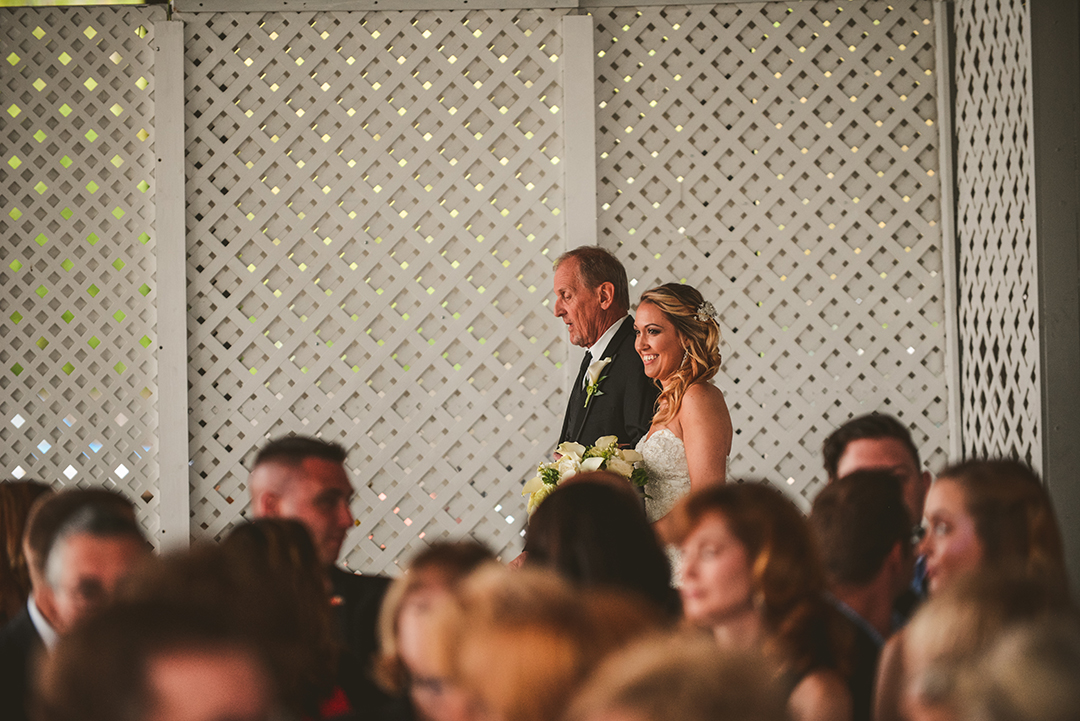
(999, 327)
(77, 319)
(373, 206)
(782, 157)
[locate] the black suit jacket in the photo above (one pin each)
(20, 644)
(625, 408)
(359, 599)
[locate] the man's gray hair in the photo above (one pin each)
(596, 266)
(102, 520)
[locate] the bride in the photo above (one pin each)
(687, 446)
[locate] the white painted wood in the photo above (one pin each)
(783, 159)
(996, 211)
(579, 130)
(175, 508)
(78, 294)
(943, 71)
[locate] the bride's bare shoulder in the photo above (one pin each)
(704, 395)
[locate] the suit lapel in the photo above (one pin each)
(612, 351)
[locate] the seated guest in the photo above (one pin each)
(958, 626)
(864, 534)
(408, 663)
(281, 551)
(267, 586)
(16, 497)
(1030, 674)
(685, 678)
(154, 662)
(879, 442)
(593, 531)
(305, 479)
(78, 546)
(519, 643)
(981, 516)
(751, 575)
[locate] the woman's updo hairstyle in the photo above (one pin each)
(697, 327)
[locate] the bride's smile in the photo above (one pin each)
(657, 342)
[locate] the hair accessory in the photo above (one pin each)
(706, 312)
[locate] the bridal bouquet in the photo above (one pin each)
(575, 458)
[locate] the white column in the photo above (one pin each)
(579, 131)
(174, 503)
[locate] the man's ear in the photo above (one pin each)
(605, 294)
(266, 505)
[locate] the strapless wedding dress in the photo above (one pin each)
(664, 458)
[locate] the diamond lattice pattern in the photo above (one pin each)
(77, 367)
(999, 327)
(783, 159)
(371, 204)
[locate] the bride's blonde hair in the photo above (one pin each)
(699, 331)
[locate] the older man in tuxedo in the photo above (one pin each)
(611, 395)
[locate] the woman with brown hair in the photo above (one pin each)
(752, 576)
(980, 517)
(678, 339)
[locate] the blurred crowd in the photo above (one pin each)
(901, 597)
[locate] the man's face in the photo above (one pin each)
(317, 494)
(888, 454)
(89, 568)
(583, 310)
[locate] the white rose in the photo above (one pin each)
(631, 456)
(568, 466)
(595, 369)
(618, 465)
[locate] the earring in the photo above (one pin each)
(685, 356)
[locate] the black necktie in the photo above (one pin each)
(578, 391)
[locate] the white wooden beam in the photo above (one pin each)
(579, 131)
(174, 504)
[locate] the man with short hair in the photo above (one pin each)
(864, 534)
(78, 545)
(305, 479)
(878, 442)
(592, 298)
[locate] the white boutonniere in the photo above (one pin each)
(593, 379)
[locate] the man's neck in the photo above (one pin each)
(873, 602)
(598, 349)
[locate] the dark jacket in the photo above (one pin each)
(626, 404)
(20, 643)
(358, 599)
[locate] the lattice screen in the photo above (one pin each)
(77, 366)
(373, 206)
(783, 159)
(999, 326)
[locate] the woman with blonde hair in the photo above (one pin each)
(687, 446)
(410, 665)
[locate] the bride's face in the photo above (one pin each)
(716, 581)
(657, 342)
